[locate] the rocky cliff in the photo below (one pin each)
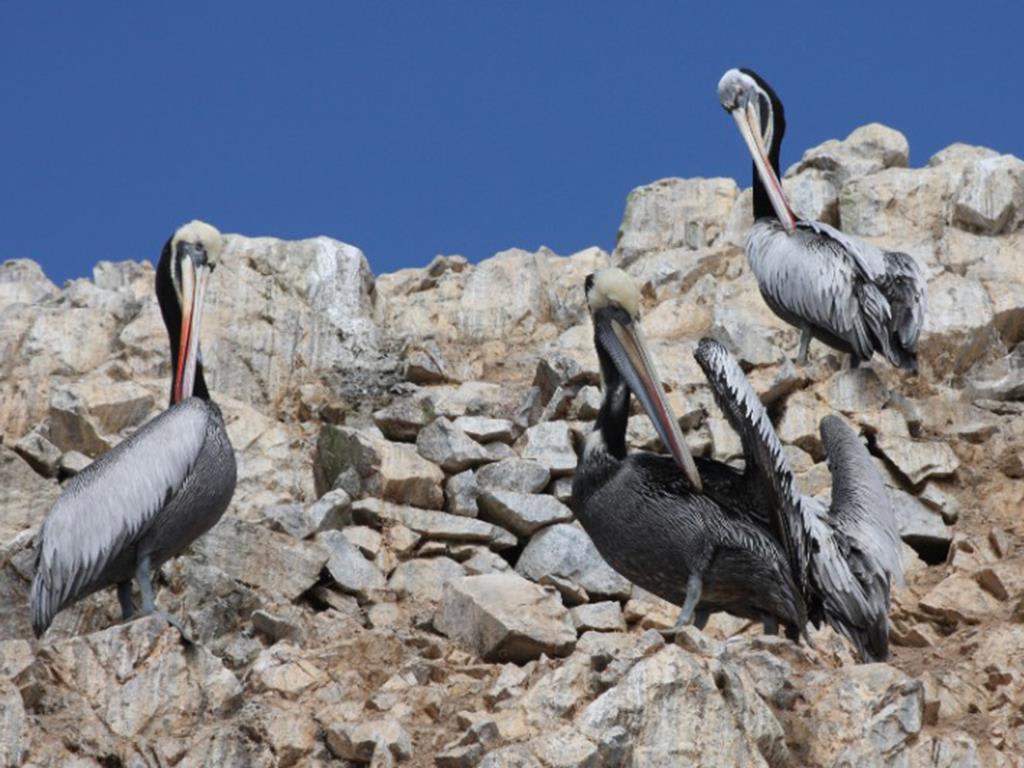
(399, 580)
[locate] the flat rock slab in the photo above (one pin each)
(351, 571)
(434, 525)
(600, 617)
(486, 430)
(565, 551)
(504, 617)
(447, 445)
(550, 444)
(522, 513)
(273, 562)
(518, 475)
(917, 460)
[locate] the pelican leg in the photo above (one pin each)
(805, 345)
(144, 575)
(694, 585)
(124, 596)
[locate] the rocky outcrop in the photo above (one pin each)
(398, 580)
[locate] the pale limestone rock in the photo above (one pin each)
(673, 213)
(812, 195)
(600, 617)
(800, 422)
(22, 281)
(504, 617)
(522, 513)
(460, 493)
(14, 725)
(917, 460)
(857, 389)
(725, 443)
(421, 580)
(919, 524)
(958, 599)
(434, 525)
(1002, 379)
(365, 741)
(672, 709)
(71, 428)
(875, 713)
(393, 471)
(350, 570)
(550, 445)
(447, 445)
(867, 150)
(566, 552)
(990, 199)
(404, 418)
(333, 510)
(519, 475)
(27, 496)
(42, 455)
(486, 430)
(958, 325)
(272, 562)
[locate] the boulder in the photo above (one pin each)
(564, 551)
(522, 513)
(504, 617)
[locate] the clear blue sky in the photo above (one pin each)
(415, 128)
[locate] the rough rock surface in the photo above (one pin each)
(397, 582)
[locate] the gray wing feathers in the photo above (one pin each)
(870, 298)
(861, 506)
(110, 504)
(765, 458)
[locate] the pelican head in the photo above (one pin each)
(614, 301)
(758, 113)
(194, 250)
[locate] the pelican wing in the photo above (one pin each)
(861, 506)
(824, 278)
(766, 463)
(906, 289)
(104, 509)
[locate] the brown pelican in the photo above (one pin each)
(843, 557)
(843, 291)
(152, 495)
(652, 517)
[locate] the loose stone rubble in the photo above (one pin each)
(399, 581)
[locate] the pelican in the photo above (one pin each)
(845, 292)
(152, 495)
(844, 557)
(652, 517)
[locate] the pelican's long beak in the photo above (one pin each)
(747, 119)
(625, 344)
(195, 271)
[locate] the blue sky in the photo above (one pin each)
(412, 129)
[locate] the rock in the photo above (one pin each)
(813, 196)
(351, 572)
(422, 580)
(896, 205)
(42, 455)
(800, 423)
(71, 463)
(990, 199)
(958, 325)
(287, 518)
(875, 713)
(460, 493)
(426, 364)
(71, 427)
(566, 551)
(522, 513)
(1003, 379)
(363, 742)
(272, 562)
(550, 445)
(518, 475)
(435, 525)
(282, 670)
(333, 510)
(27, 496)
(586, 404)
(919, 525)
(366, 540)
(725, 443)
(125, 685)
(869, 149)
(443, 443)
(14, 725)
(670, 709)
(600, 617)
(504, 617)
(403, 419)
(22, 281)
(392, 471)
(857, 389)
(485, 561)
(673, 213)
(486, 430)
(917, 460)
(958, 598)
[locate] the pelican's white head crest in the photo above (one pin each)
(733, 86)
(613, 286)
(203, 234)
